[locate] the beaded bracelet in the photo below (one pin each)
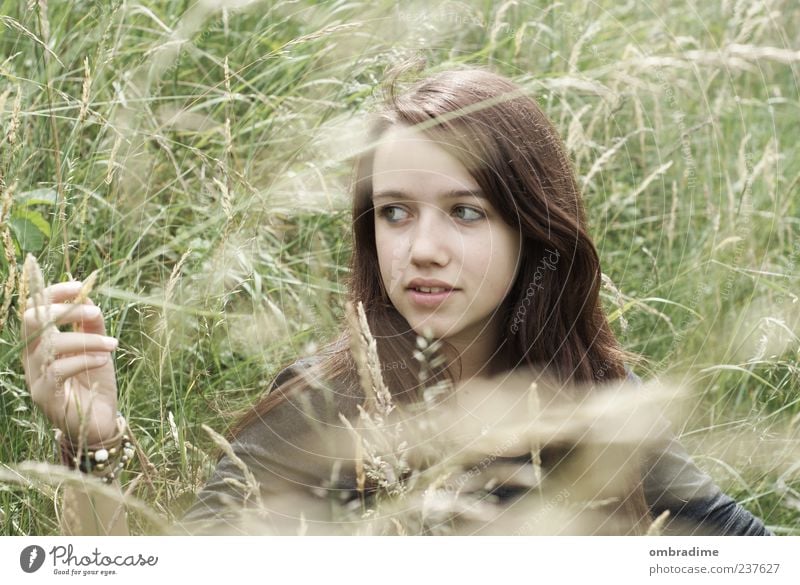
(104, 460)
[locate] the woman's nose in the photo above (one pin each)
(430, 240)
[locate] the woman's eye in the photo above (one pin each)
(468, 213)
(391, 213)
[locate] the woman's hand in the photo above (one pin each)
(70, 375)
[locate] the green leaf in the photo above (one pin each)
(30, 229)
(37, 197)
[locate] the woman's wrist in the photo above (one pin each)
(104, 459)
(99, 430)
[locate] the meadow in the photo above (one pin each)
(198, 155)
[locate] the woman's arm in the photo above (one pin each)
(696, 505)
(281, 473)
(71, 379)
(85, 514)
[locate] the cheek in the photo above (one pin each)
(390, 262)
(486, 272)
(383, 260)
(382, 242)
(500, 263)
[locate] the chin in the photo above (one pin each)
(438, 331)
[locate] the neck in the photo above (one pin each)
(474, 359)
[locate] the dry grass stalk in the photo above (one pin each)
(13, 126)
(173, 277)
(673, 216)
(630, 199)
(335, 28)
(401, 531)
(601, 162)
(10, 254)
(381, 452)
(86, 287)
(147, 465)
(34, 283)
(382, 395)
(586, 36)
(227, 70)
(609, 285)
(227, 128)
(251, 486)
(112, 159)
(576, 137)
(11, 279)
(657, 526)
(83, 293)
(70, 516)
(3, 98)
(499, 25)
(361, 478)
(225, 201)
(427, 354)
(44, 23)
(534, 408)
(357, 349)
(168, 294)
(87, 83)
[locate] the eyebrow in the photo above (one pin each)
(451, 194)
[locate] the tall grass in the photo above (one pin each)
(196, 154)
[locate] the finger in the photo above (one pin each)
(35, 320)
(58, 293)
(67, 343)
(96, 325)
(37, 328)
(59, 370)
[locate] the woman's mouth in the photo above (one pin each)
(430, 296)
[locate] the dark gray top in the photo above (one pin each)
(297, 479)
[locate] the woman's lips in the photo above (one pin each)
(431, 299)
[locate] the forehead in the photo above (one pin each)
(407, 159)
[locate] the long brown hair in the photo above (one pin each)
(516, 156)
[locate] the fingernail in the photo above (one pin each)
(111, 342)
(92, 311)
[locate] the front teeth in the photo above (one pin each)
(425, 289)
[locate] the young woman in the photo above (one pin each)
(468, 227)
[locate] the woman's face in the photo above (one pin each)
(434, 227)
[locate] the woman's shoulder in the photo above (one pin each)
(312, 403)
(298, 367)
(631, 376)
